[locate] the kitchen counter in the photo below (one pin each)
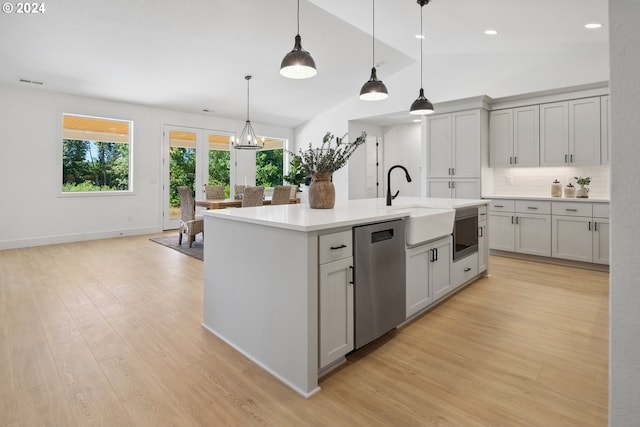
(551, 199)
(301, 218)
(261, 277)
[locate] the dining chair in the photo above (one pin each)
(214, 192)
(238, 191)
(253, 196)
(294, 191)
(190, 224)
(281, 195)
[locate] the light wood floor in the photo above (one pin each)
(109, 333)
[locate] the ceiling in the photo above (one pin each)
(193, 55)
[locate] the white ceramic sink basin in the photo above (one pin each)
(424, 224)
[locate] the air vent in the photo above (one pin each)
(31, 82)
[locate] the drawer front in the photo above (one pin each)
(572, 209)
(533, 206)
(601, 210)
(502, 206)
(464, 270)
(335, 246)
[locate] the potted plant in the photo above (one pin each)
(321, 162)
(297, 172)
(583, 191)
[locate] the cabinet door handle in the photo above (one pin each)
(480, 232)
(532, 207)
(565, 158)
(515, 160)
(449, 184)
(352, 282)
(595, 226)
(468, 269)
(510, 160)
(516, 220)
(453, 171)
(449, 171)
(435, 250)
(571, 158)
(498, 206)
(589, 226)
(453, 184)
(571, 210)
(335, 248)
(511, 220)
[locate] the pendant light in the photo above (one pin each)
(374, 89)
(248, 139)
(298, 64)
(422, 105)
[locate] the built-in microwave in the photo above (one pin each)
(465, 232)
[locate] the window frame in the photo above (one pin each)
(60, 156)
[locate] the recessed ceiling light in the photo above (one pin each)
(420, 36)
(593, 25)
(491, 32)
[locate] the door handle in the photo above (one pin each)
(571, 158)
(335, 248)
(468, 269)
(351, 282)
(565, 158)
(516, 220)
(510, 160)
(435, 251)
(595, 226)
(511, 220)
(515, 160)
(589, 226)
(453, 171)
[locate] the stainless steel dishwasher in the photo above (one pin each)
(379, 279)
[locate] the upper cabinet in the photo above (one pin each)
(515, 137)
(453, 145)
(570, 133)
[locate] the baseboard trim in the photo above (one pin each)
(80, 237)
(548, 260)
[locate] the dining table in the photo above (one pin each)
(233, 203)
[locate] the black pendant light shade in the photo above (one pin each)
(248, 139)
(374, 89)
(422, 105)
(298, 64)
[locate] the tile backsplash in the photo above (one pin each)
(536, 182)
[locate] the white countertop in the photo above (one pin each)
(301, 217)
(552, 199)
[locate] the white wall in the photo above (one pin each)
(624, 380)
(33, 212)
(357, 165)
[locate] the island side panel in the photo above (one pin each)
(261, 297)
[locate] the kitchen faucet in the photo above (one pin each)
(389, 196)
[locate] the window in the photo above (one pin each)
(269, 163)
(96, 154)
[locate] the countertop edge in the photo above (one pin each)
(550, 199)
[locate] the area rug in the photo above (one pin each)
(196, 250)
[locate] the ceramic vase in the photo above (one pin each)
(322, 193)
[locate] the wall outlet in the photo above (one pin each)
(509, 180)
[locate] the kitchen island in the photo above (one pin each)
(263, 267)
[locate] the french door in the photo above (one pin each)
(195, 157)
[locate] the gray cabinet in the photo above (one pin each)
(428, 274)
(514, 136)
(522, 226)
(581, 231)
(335, 297)
(570, 132)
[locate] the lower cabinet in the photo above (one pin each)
(482, 245)
(581, 239)
(515, 229)
(464, 270)
(336, 310)
(428, 273)
(335, 297)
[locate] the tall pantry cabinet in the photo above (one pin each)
(455, 145)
